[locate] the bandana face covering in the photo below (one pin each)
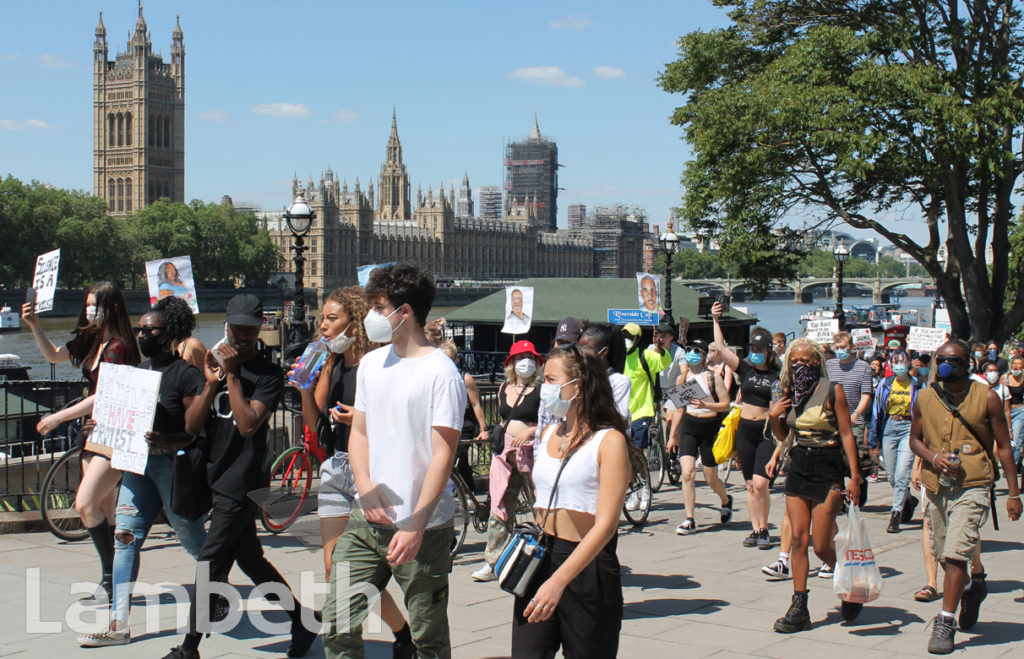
(805, 378)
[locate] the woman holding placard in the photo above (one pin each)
(103, 334)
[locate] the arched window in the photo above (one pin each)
(120, 129)
(167, 190)
(111, 194)
(152, 137)
(120, 195)
(110, 131)
(159, 131)
(128, 193)
(167, 132)
(128, 129)
(149, 194)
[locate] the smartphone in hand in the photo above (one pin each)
(30, 295)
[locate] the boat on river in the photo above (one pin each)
(10, 321)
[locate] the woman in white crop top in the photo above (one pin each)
(575, 600)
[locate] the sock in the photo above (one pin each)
(784, 557)
(948, 615)
(191, 641)
(968, 586)
(103, 538)
(404, 635)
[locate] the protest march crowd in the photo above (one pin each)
(393, 411)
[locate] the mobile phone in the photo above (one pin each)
(30, 295)
(724, 300)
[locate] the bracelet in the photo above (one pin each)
(934, 455)
(1015, 496)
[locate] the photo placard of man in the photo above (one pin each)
(518, 309)
(648, 291)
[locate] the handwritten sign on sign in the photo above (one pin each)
(45, 280)
(823, 330)
(862, 339)
(682, 394)
(126, 399)
(926, 339)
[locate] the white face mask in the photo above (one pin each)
(93, 313)
(378, 326)
(525, 367)
(551, 398)
(992, 376)
(340, 343)
(629, 344)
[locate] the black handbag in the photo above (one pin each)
(497, 431)
(191, 496)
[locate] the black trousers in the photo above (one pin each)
(232, 539)
(588, 618)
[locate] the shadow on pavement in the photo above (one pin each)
(663, 607)
(887, 620)
(992, 546)
(995, 633)
(675, 581)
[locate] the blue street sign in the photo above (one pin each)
(626, 316)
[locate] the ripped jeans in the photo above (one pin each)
(138, 505)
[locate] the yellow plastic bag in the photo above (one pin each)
(725, 443)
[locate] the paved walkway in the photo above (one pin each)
(696, 596)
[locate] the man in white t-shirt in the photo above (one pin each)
(665, 336)
(409, 407)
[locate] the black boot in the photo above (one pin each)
(797, 619)
(909, 506)
(850, 610)
(894, 522)
(103, 538)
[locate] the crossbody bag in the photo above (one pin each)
(497, 431)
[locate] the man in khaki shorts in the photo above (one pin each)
(958, 425)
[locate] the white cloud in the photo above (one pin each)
(609, 72)
(16, 125)
(10, 57)
(546, 75)
(52, 61)
(283, 110)
(347, 117)
(577, 23)
(217, 116)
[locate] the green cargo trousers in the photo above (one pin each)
(361, 571)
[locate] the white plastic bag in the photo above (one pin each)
(857, 577)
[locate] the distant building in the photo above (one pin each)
(577, 214)
(490, 202)
(465, 209)
(618, 233)
(138, 121)
(531, 179)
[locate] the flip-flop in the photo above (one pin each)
(926, 594)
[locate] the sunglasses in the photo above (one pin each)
(696, 349)
(952, 361)
(148, 329)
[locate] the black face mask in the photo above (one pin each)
(151, 346)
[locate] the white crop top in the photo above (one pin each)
(578, 486)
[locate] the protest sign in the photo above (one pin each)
(926, 339)
(45, 280)
(125, 404)
(862, 339)
(518, 309)
(172, 277)
(682, 394)
(823, 330)
(648, 291)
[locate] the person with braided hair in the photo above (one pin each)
(183, 322)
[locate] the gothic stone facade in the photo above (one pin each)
(138, 121)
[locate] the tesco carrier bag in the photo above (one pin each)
(857, 577)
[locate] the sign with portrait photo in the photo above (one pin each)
(518, 309)
(172, 277)
(648, 291)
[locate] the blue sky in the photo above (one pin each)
(274, 88)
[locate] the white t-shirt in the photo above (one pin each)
(403, 398)
(669, 376)
(620, 390)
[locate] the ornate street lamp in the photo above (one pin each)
(841, 254)
(670, 245)
(300, 218)
(941, 258)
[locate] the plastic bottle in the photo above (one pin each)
(309, 364)
(948, 480)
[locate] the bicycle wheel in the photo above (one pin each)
(57, 503)
(638, 494)
(675, 470)
(291, 476)
(655, 455)
(463, 509)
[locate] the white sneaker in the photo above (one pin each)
(633, 501)
(826, 571)
(104, 638)
(484, 574)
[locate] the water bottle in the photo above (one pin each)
(309, 364)
(949, 480)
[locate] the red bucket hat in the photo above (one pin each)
(523, 347)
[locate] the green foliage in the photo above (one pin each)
(34, 218)
(859, 113)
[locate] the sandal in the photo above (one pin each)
(926, 594)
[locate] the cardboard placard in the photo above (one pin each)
(172, 277)
(125, 405)
(823, 330)
(926, 339)
(682, 394)
(45, 280)
(862, 339)
(648, 291)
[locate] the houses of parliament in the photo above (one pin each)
(139, 157)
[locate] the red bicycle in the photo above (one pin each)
(291, 479)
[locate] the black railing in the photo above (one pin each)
(480, 363)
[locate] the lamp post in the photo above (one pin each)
(841, 254)
(300, 218)
(941, 258)
(670, 244)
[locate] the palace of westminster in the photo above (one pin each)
(139, 157)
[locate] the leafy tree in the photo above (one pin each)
(856, 111)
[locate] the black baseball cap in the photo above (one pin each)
(570, 329)
(244, 309)
(697, 344)
(761, 339)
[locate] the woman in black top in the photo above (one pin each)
(327, 408)
(756, 374)
(518, 405)
(1015, 385)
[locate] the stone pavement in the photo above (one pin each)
(697, 596)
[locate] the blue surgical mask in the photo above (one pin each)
(992, 355)
(978, 354)
(923, 372)
(900, 370)
(1016, 373)
(694, 357)
(842, 353)
(551, 398)
(757, 358)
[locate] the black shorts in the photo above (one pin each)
(697, 435)
(588, 618)
(754, 447)
(814, 472)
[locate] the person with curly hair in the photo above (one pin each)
(181, 323)
(327, 407)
